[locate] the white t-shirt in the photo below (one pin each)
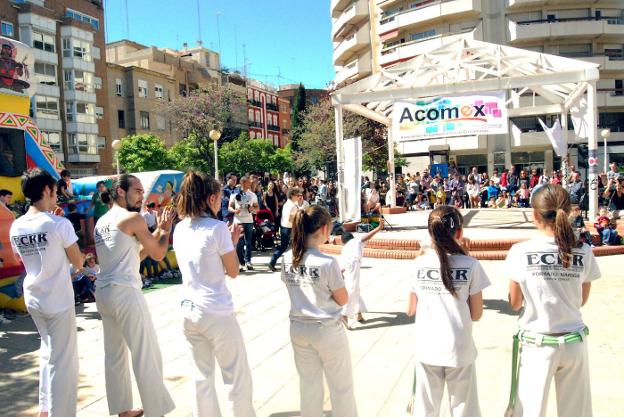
(199, 244)
(351, 258)
(288, 209)
(150, 219)
(443, 323)
(40, 240)
(310, 286)
(247, 199)
(552, 293)
(372, 196)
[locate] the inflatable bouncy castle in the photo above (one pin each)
(22, 146)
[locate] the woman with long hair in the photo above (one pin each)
(205, 248)
(446, 298)
(551, 277)
(317, 293)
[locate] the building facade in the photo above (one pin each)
(67, 37)
(400, 29)
(263, 113)
(285, 121)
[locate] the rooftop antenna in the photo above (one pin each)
(218, 32)
(127, 21)
(199, 36)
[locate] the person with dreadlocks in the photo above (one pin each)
(446, 298)
(551, 277)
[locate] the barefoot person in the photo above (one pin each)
(47, 245)
(205, 249)
(121, 240)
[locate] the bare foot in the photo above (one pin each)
(137, 412)
(360, 318)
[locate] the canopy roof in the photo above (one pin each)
(469, 66)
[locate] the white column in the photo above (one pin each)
(592, 144)
(342, 203)
(391, 168)
(565, 161)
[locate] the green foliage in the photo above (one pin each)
(257, 155)
(140, 153)
(184, 155)
(297, 117)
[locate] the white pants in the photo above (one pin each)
(461, 385)
(569, 365)
(355, 304)
(128, 325)
(219, 337)
(58, 371)
(323, 348)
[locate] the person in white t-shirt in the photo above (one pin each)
(244, 204)
(121, 240)
(551, 275)
(47, 245)
(350, 263)
(317, 293)
(289, 210)
(446, 298)
(205, 248)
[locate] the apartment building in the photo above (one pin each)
(401, 29)
(67, 37)
(287, 94)
(285, 122)
(263, 112)
(238, 120)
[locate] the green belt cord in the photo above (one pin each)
(515, 367)
(410, 404)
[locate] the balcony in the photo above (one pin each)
(407, 50)
(517, 4)
(273, 128)
(352, 44)
(610, 97)
(82, 157)
(607, 63)
(47, 90)
(272, 107)
(354, 14)
(337, 6)
(600, 29)
(254, 103)
(257, 125)
(45, 56)
(431, 12)
(37, 21)
(358, 68)
(83, 127)
(79, 95)
(79, 64)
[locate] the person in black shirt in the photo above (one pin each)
(614, 193)
(78, 220)
(63, 186)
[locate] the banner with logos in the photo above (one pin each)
(452, 115)
(353, 178)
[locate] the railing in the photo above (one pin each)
(272, 107)
(613, 92)
(254, 103)
(273, 128)
(421, 5)
(255, 124)
(390, 49)
(610, 20)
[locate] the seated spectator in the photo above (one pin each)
(492, 202)
(578, 225)
(83, 280)
(605, 228)
(493, 190)
(473, 192)
(79, 221)
(439, 202)
(502, 201)
(614, 193)
(372, 199)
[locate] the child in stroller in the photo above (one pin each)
(264, 230)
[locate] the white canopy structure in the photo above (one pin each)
(536, 84)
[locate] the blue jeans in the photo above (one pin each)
(608, 236)
(284, 242)
(247, 242)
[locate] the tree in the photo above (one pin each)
(299, 108)
(184, 155)
(257, 155)
(140, 153)
(194, 116)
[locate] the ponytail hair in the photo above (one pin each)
(306, 222)
(443, 224)
(552, 206)
(195, 190)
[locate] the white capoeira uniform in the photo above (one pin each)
(351, 262)
(552, 305)
(41, 240)
(318, 338)
(445, 350)
(127, 322)
(209, 323)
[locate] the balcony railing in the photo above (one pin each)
(254, 103)
(272, 107)
(273, 128)
(613, 92)
(610, 20)
(255, 124)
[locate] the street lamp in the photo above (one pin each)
(215, 135)
(605, 133)
(116, 145)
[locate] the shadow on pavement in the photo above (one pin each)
(295, 414)
(502, 306)
(385, 319)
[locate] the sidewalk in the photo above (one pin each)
(381, 352)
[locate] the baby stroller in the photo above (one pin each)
(264, 230)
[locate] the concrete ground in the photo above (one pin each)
(381, 350)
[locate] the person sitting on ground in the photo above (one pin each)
(502, 201)
(372, 199)
(473, 192)
(605, 228)
(79, 221)
(614, 193)
(578, 225)
(438, 203)
(493, 191)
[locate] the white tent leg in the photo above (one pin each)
(592, 142)
(342, 203)
(393, 196)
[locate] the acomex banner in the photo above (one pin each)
(453, 115)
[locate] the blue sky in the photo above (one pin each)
(291, 38)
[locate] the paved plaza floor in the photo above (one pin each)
(381, 350)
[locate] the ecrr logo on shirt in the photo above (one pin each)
(302, 276)
(458, 276)
(31, 243)
(551, 258)
(102, 234)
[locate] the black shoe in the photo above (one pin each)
(272, 268)
(249, 266)
(241, 269)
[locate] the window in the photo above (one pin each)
(422, 35)
(145, 124)
(43, 42)
(258, 118)
(81, 17)
(142, 88)
(99, 113)
(97, 83)
(101, 142)
(182, 90)
(252, 135)
(161, 124)
(121, 119)
(45, 73)
(74, 48)
(158, 91)
(79, 80)
(7, 29)
(118, 87)
(82, 143)
(47, 107)
(249, 94)
(54, 140)
(251, 115)
(85, 112)
(256, 96)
